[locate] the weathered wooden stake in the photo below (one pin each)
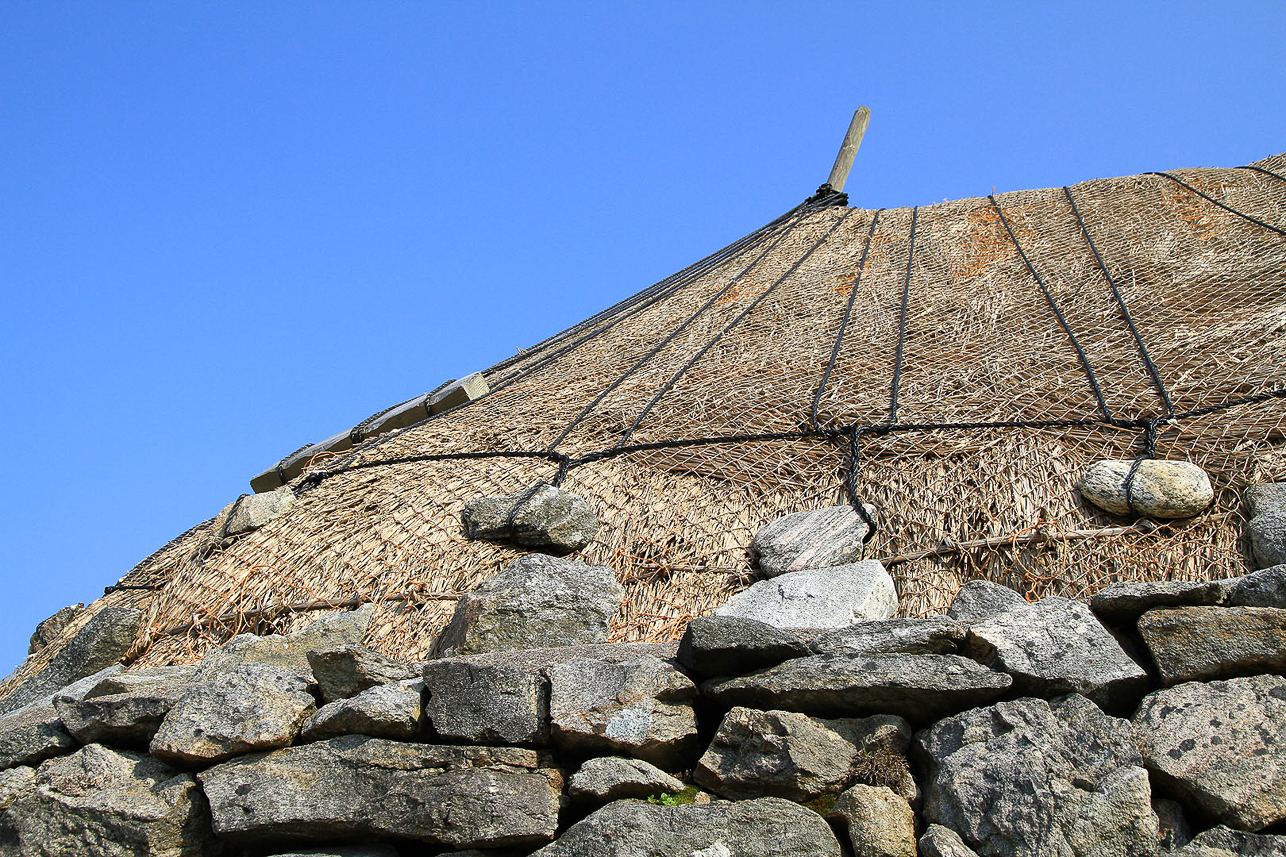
(848, 151)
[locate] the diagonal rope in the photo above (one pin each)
(1280, 178)
(674, 333)
(1062, 320)
(906, 295)
(1125, 310)
(745, 312)
(1229, 208)
(848, 311)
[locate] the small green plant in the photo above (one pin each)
(688, 795)
(822, 804)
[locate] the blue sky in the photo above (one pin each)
(231, 229)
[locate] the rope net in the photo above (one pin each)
(977, 355)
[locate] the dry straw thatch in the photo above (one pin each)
(1206, 289)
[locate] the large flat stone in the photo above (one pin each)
(767, 827)
(1123, 603)
(242, 709)
(487, 703)
(344, 788)
(1220, 746)
(537, 602)
(814, 538)
(790, 755)
(933, 635)
(732, 645)
(99, 802)
(640, 708)
(125, 709)
(1032, 778)
(818, 598)
(1199, 643)
(1056, 646)
(36, 732)
(921, 688)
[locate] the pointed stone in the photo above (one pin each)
(254, 510)
(732, 645)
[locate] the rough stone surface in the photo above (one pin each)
(538, 601)
(1056, 646)
(981, 599)
(35, 732)
(242, 709)
(535, 660)
(1224, 842)
(1263, 588)
(1220, 746)
(384, 711)
(254, 510)
(31, 735)
(934, 635)
(939, 841)
(1198, 643)
(1032, 778)
(1123, 603)
(879, 823)
(49, 629)
(289, 652)
(1267, 526)
(732, 645)
(101, 803)
(921, 688)
(487, 704)
(14, 783)
(639, 708)
(818, 598)
(1161, 489)
(355, 786)
(815, 538)
(767, 827)
(551, 517)
(790, 755)
(103, 641)
(608, 778)
(125, 709)
(348, 670)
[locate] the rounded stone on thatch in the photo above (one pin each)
(1159, 489)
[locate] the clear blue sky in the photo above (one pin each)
(230, 229)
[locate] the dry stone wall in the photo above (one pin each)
(1151, 721)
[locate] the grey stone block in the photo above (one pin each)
(818, 598)
(549, 517)
(815, 538)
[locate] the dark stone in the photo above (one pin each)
(934, 635)
(921, 688)
(487, 704)
(731, 645)
(1123, 603)
(1263, 588)
(981, 599)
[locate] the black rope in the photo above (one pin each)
(850, 483)
(848, 311)
(1080, 352)
(121, 587)
(906, 294)
(1149, 452)
(1228, 208)
(511, 522)
(745, 312)
(1264, 171)
(565, 462)
(668, 339)
(1152, 371)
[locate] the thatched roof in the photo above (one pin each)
(957, 362)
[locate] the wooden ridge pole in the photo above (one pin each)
(848, 151)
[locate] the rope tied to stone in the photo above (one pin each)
(1150, 428)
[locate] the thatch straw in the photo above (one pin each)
(1207, 291)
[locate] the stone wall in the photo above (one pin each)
(1151, 721)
